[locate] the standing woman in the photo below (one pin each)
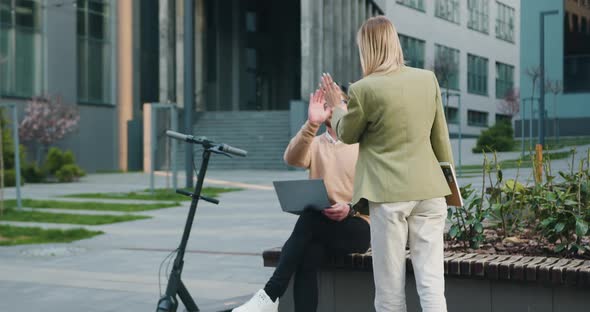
(396, 115)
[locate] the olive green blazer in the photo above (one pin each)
(398, 120)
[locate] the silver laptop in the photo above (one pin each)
(297, 196)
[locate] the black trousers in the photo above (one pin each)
(314, 235)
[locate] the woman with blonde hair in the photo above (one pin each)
(395, 114)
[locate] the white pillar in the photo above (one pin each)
(328, 42)
(347, 46)
(179, 54)
(337, 32)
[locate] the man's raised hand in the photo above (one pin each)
(317, 112)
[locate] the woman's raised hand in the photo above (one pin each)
(332, 92)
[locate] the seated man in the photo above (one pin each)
(337, 229)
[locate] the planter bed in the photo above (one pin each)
(474, 282)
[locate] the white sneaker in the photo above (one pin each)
(261, 302)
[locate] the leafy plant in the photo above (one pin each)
(33, 174)
(62, 165)
(69, 173)
(556, 211)
(499, 137)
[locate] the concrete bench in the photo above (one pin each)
(473, 282)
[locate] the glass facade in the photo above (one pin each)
(576, 50)
(477, 118)
(414, 4)
(477, 74)
(21, 65)
(449, 10)
(413, 51)
(478, 15)
(446, 66)
(505, 22)
(504, 79)
(94, 52)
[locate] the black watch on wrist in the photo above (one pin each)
(351, 211)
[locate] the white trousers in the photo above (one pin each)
(392, 225)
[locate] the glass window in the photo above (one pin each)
(503, 118)
(94, 52)
(477, 74)
(413, 51)
(576, 49)
(20, 48)
(478, 15)
(505, 22)
(414, 4)
(477, 119)
(504, 79)
(448, 10)
(446, 66)
(452, 115)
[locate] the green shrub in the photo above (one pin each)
(10, 178)
(32, 173)
(54, 160)
(499, 138)
(8, 144)
(69, 173)
(68, 158)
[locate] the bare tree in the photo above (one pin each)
(445, 68)
(511, 103)
(534, 73)
(555, 87)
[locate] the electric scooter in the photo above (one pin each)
(169, 301)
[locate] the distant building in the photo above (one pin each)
(567, 60)
(67, 49)
(256, 62)
(474, 45)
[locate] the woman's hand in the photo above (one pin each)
(332, 92)
(337, 212)
(317, 112)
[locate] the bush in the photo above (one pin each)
(69, 173)
(33, 174)
(8, 144)
(62, 165)
(54, 160)
(499, 138)
(10, 178)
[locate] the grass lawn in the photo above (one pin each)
(32, 203)
(513, 163)
(16, 235)
(551, 143)
(159, 194)
(48, 217)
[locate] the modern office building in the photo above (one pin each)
(472, 45)
(256, 62)
(567, 61)
(67, 49)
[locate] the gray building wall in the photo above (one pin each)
(94, 143)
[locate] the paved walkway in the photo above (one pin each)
(118, 271)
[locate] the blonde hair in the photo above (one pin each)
(379, 46)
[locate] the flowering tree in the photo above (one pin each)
(511, 103)
(46, 121)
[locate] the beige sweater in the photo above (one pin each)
(333, 162)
